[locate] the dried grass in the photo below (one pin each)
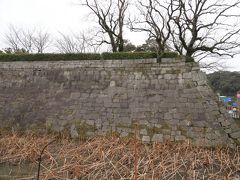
(114, 158)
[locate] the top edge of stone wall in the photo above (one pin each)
(165, 62)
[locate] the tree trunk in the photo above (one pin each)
(121, 45)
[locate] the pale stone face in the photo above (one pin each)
(168, 101)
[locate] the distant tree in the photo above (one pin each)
(111, 19)
(16, 51)
(225, 82)
(149, 45)
(12, 38)
(26, 40)
(75, 43)
(8, 51)
(67, 44)
(41, 41)
(128, 46)
(21, 51)
(18, 39)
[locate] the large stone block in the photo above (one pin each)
(157, 138)
(146, 139)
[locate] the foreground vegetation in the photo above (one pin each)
(114, 158)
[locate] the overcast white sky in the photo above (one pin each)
(60, 15)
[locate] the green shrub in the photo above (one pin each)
(49, 57)
(129, 55)
(87, 56)
(169, 54)
(189, 59)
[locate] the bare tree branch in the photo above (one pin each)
(155, 19)
(206, 26)
(12, 38)
(41, 41)
(111, 19)
(76, 43)
(26, 40)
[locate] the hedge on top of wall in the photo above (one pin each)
(129, 55)
(49, 57)
(85, 56)
(169, 54)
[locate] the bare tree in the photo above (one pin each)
(89, 41)
(41, 41)
(75, 43)
(194, 28)
(12, 38)
(203, 27)
(155, 19)
(26, 40)
(213, 65)
(111, 19)
(67, 44)
(19, 39)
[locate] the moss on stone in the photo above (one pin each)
(188, 85)
(125, 125)
(112, 133)
(165, 126)
(82, 128)
(183, 131)
(48, 125)
(68, 111)
(154, 130)
(173, 71)
(36, 127)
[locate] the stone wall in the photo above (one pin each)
(167, 101)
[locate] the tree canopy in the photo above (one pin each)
(225, 82)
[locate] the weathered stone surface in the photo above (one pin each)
(146, 139)
(235, 135)
(123, 134)
(143, 132)
(166, 101)
(180, 138)
(157, 138)
(73, 132)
